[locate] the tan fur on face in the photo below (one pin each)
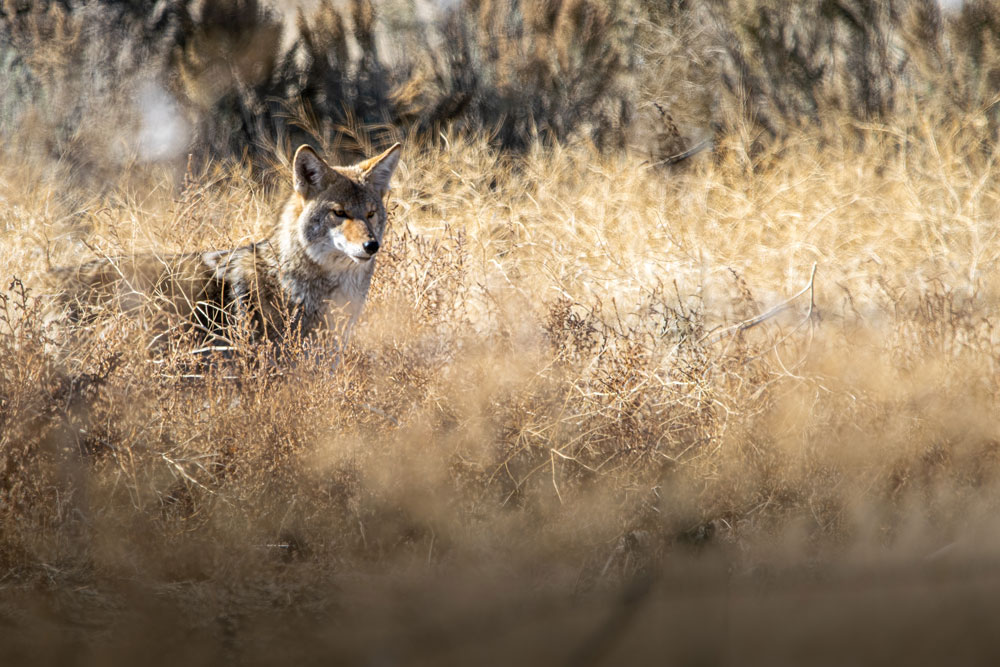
(357, 231)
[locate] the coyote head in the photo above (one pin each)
(342, 211)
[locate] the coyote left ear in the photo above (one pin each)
(310, 171)
(379, 169)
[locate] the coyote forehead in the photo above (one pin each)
(317, 263)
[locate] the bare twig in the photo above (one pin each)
(680, 157)
(754, 321)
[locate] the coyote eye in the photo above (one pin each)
(339, 212)
(371, 214)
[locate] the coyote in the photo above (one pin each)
(313, 270)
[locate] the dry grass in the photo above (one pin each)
(562, 433)
(539, 404)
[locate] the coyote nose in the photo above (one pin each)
(371, 247)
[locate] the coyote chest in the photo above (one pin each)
(313, 271)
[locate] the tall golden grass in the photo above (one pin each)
(742, 410)
(561, 386)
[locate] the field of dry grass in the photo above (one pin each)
(743, 410)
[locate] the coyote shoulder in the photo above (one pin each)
(318, 261)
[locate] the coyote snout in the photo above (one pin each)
(318, 261)
(356, 238)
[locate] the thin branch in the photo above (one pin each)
(754, 321)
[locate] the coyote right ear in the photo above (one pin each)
(379, 169)
(310, 171)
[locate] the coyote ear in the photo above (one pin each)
(379, 169)
(310, 171)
